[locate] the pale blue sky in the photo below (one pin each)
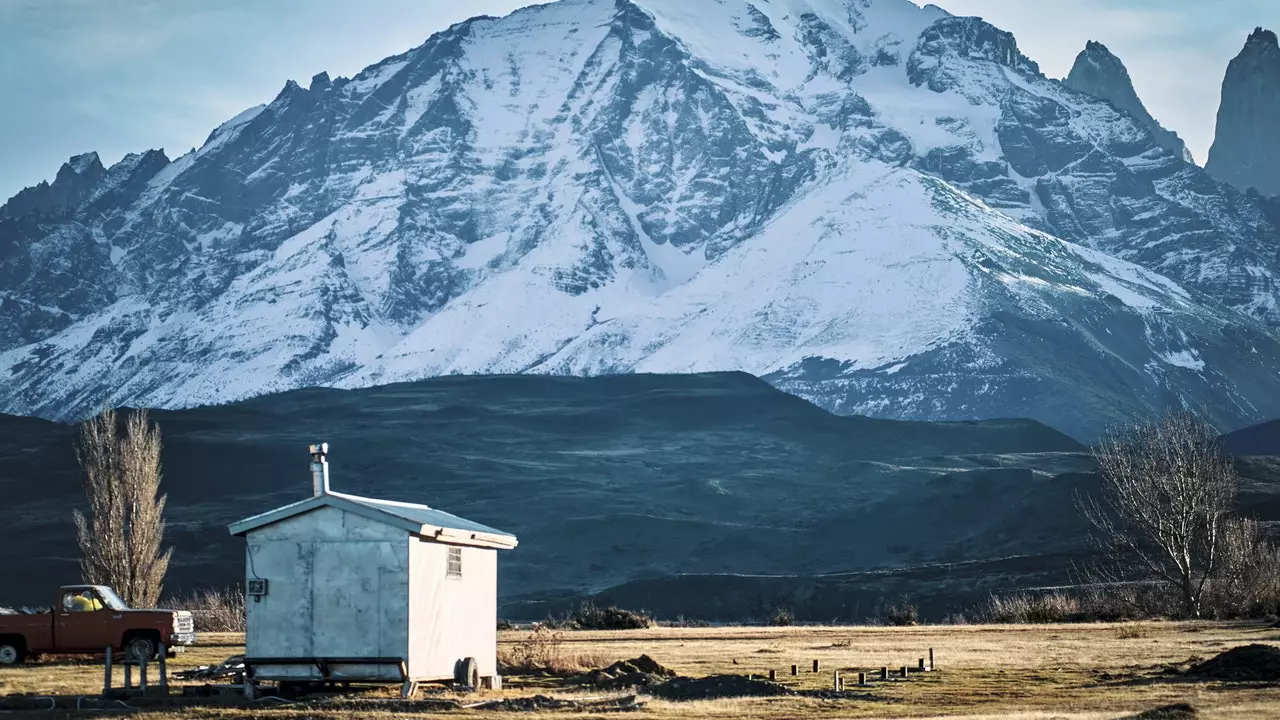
(117, 76)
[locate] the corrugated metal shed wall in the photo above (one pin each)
(339, 586)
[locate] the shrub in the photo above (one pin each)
(901, 614)
(781, 617)
(213, 610)
(590, 617)
(543, 652)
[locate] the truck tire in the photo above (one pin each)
(466, 672)
(141, 647)
(12, 651)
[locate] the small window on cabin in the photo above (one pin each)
(454, 566)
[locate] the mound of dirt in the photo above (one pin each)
(642, 671)
(1177, 711)
(1247, 663)
(718, 686)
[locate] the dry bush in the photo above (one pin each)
(213, 610)
(901, 614)
(543, 652)
(1084, 604)
(120, 537)
(683, 622)
(1131, 632)
(781, 617)
(1247, 581)
(1029, 608)
(590, 617)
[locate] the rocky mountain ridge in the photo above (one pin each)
(1100, 73)
(1246, 147)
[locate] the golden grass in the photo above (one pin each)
(1030, 672)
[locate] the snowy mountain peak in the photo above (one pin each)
(878, 206)
(1098, 72)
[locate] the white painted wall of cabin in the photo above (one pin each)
(338, 587)
(452, 618)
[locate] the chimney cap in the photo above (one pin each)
(321, 449)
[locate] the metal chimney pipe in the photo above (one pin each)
(320, 469)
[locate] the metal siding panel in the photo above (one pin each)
(338, 586)
(452, 618)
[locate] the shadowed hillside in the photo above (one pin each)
(653, 483)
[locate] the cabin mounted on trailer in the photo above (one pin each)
(343, 588)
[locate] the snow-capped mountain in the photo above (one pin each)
(1246, 147)
(883, 208)
(1098, 72)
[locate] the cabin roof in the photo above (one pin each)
(421, 520)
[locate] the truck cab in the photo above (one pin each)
(87, 619)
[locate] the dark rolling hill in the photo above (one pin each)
(646, 488)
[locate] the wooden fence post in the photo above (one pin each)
(835, 680)
(773, 674)
(904, 671)
(795, 669)
(931, 665)
(815, 666)
(884, 673)
(921, 667)
(862, 678)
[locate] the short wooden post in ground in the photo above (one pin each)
(862, 678)
(106, 674)
(795, 669)
(931, 665)
(773, 674)
(904, 671)
(815, 666)
(884, 673)
(835, 680)
(921, 667)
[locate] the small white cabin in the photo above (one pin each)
(344, 588)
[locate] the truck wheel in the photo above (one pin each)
(12, 652)
(466, 672)
(140, 648)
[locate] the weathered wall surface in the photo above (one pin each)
(339, 587)
(452, 617)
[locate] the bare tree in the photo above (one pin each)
(1167, 490)
(121, 534)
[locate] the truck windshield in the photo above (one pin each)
(111, 599)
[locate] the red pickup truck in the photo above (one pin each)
(88, 619)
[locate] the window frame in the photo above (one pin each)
(453, 563)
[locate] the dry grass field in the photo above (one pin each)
(1043, 671)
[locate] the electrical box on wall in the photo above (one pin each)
(257, 587)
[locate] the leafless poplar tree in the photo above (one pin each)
(121, 534)
(1167, 491)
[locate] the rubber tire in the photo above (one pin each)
(12, 653)
(466, 672)
(140, 647)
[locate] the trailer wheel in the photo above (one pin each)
(466, 672)
(12, 651)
